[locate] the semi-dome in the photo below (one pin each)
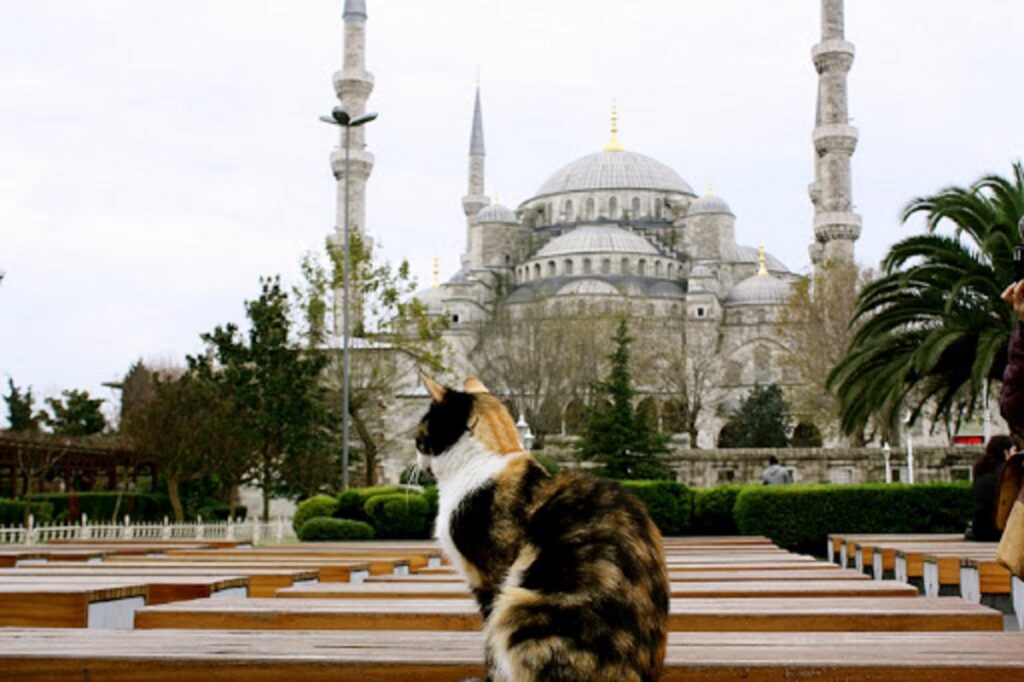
(614, 170)
(431, 299)
(709, 203)
(759, 290)
(496, 213)
(588, 287)
(597, 239)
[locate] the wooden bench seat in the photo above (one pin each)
(160, 589)
(328, 570)
(941, 572)
(195, 656)
(413, 560)
(27, 556)
(909, 559)
(751, 614)
(825, 573)
(679, 590)
(842, 546)
(264, 581)
(94, 605)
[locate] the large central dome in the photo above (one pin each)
(614, 170)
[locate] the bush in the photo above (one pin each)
(312, 508)
(352, 503)
(413, 475)
(101, 506)
(430, 495)
(12, 512)
(549, 464)
(801, 517)
(670, 504)
(400, 515)
(326, 528)
(713, 510)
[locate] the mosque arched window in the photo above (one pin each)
(625, 266)
(586, 266)
(606, 266)
(567, 267)
(669, 271)
(589, 215)
(569, 215)
(641, 268)
(657, 209)
(636, 208)
(613, 208)
(657, 268)
(552, 268)
(536, 271)
(550, 214)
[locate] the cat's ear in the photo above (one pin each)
(474, 385)
(435, 389)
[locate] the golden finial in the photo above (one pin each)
(437, 272)
(711, 190)
(762, 262)
(613, 144)
(478, 75)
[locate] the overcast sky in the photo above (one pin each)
(159, 157)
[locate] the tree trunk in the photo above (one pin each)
(232, 498)
(174, 495)
(369, 448)
(265, 483)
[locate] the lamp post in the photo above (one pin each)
(887, 454)
(342, 119)
(910, 451)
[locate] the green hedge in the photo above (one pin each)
(12, 512)
(327, 528)
(399, 515)
(670, 504)
(713, 510)
(801, 517)
(313, 507)
(352, 503)
(100, 506)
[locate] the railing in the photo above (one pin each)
(255, 532)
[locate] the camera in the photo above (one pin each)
(1018, 255)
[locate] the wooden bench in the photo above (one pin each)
(985, 581)
(941, 572)
(38, 555)
(329, 570)
(191, 656)
(825, 573)
(160, 589)
(839, 551)
(264, 581)
(712, 615)
(909, 559)
(678, 590)
(380, 561)
(95, 605)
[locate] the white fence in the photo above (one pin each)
(255, 532)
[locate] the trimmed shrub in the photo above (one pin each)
(314, 507)
(713, 510)
(670, 504)
(12, 512)
(101, 506)
(326, 528)
(430, 495)
(549, 464)
(400, 515)
(801, 517)
(352, 502)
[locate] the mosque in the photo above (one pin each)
(619, 232)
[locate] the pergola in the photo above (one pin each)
(34, 461)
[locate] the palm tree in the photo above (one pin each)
(933, 329)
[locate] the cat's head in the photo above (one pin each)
(454, 416)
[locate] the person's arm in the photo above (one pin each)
(1011, 398)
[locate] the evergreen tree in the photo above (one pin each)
(762, 421)
(76, 414)
(20, 410)
(615, 434)
(273, 382)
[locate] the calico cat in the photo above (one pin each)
(568, 570)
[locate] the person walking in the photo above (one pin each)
(775, 473)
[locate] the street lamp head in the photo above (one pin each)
(365, 118)
(339, 117)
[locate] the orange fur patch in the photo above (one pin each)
(492, 425)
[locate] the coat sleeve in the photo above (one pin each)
(1011, 399)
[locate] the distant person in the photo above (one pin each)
(775, 473)
(987, 469)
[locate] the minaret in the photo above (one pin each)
(836, 226)
(353, 85)
(475, 200)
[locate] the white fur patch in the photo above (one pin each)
(463, 469)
